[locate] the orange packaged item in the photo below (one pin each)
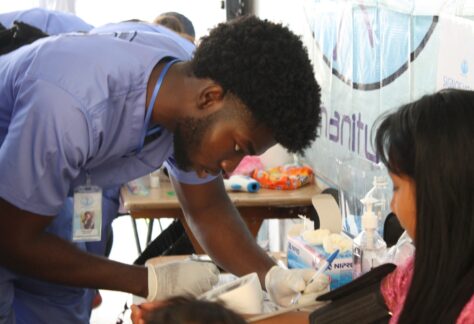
(286, 177)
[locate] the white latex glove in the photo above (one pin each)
(284, 284)
(319, 286)
(180, 278)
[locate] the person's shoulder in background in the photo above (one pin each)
(49, 21)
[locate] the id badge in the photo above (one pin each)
(87, 220)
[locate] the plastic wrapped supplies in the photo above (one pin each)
(286, 177)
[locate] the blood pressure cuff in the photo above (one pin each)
(18, 35)
(360, 301)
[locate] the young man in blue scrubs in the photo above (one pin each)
(108, 108)
(79, 299)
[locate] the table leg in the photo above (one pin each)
(135, 233)
(150, 231)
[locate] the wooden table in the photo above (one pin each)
(253, 207)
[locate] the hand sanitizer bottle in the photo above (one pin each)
(381, 207)
(368, 248)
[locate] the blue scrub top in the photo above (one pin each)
(72, 104)
(129, 26)
(61, 107)
(49, 21)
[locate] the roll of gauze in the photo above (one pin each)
(315, 237)
(241, 183)
(243, 295)
(336, 241)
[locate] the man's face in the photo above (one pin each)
(218, 141)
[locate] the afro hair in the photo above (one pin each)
(267, 67)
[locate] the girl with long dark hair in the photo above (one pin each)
(428, 149)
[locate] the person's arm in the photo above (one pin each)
(27, 249)
(220, 230)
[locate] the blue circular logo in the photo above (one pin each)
(370, 47)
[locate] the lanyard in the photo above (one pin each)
(152, 102)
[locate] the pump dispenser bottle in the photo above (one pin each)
(368, 248)
(381, 207)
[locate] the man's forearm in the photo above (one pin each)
(25, 247)
(225, 237)
(217, 225)
(50, 258)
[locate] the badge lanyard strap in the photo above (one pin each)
(152, 102)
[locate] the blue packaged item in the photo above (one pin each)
(302, 254)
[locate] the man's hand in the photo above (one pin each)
(178, 278)
(283, 285)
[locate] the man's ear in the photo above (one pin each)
(210, 97)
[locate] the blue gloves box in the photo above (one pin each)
(302, 254)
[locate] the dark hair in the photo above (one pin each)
(188, 27)
(170, 22)
(432, 141)
(267, 67)
(184, 310)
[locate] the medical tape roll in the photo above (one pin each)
(243, 295)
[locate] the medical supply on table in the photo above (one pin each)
(322, 268)
(155, 179)
(321, 244)
(138, 187)
(368, 248)
(241, 183)
(382, 195)
(315, 237)
(335, 241)
(355, 177)
(286, 177)
(243, 295)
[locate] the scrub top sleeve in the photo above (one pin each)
(46, 145)
(187, 177)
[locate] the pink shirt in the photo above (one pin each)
(395, 288)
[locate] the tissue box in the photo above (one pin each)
(304, 255)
